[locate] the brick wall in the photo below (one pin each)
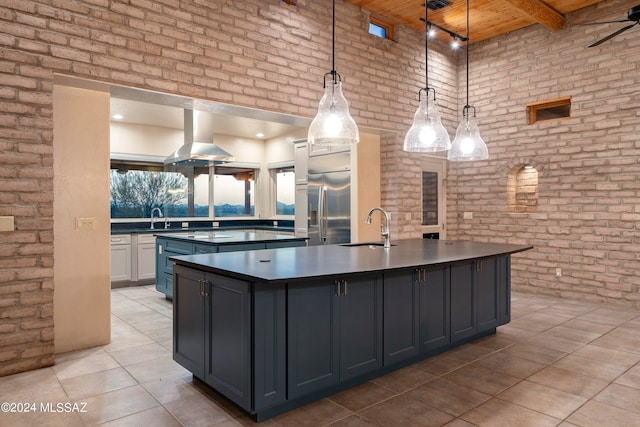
(262, 54)
(587, 219)
(269, 55)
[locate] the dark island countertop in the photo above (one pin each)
(285, 264)
(228, 237)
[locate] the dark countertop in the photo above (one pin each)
(277, 265)
(219, 237)
(176, 225)
(160, 229)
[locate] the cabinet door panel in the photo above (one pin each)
(240, 247)
(360, 326)
(228, 330)
(270, 352)
(188, 320)
(434, 308)
(486, 294)
(462, 301)
(401, 316)
(120, 262)
(313, 336)
(504, 289)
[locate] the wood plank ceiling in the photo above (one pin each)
(487, 18)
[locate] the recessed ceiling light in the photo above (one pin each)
(117, 117)
(259, 135)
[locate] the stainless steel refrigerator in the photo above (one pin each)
(329, 199)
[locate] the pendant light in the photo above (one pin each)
(426, 134)
(468, 145)
(333, 125)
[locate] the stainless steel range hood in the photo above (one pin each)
(194, 153)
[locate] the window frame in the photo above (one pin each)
(383, 23)
(534, 107)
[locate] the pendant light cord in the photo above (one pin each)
(333, 43)
(467, 106)
(426, 46)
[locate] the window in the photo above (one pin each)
(137, 188)
(134, 193)
(234, 192)
(554, 109)
(285, 191)
(380, 27)
(429, 198)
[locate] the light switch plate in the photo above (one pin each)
(85, 223)
(7, 223)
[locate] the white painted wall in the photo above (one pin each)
(82, 282)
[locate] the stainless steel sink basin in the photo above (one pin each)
(371, 245)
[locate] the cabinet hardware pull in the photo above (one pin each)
(345, 287)
(337, 282)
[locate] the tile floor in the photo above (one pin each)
(558, 362)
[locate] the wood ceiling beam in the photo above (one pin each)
(540, 12)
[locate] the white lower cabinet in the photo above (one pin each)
(146, 257)
(120, 257)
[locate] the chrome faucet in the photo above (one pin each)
(153, 219)
(384, 229)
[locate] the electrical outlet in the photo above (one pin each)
(275, 223)
(185, 225)
(215, 224)
(558, 272)
(407, 216)
(467, 215)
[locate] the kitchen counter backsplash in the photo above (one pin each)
(177, 225)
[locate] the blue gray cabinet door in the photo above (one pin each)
(360, 325)
(189, 320)
(463, 314)
(212, 331)
(269, 344)
(435, 316)
(486, 289)
(334, 330)
(228, 338)
(401, 315)
(313, 332)
(504, 289)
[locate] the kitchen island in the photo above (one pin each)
(272, 330)
(170, 244)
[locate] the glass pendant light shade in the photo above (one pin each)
(468, 145)
(427, 134)
(333, 125)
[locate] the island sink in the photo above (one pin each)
(372, 245)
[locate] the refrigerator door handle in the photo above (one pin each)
(323, 213)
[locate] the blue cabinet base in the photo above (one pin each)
(309, 338)
(291, 404)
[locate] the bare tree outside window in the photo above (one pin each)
(135, 193)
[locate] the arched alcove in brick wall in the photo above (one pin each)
(522, 189)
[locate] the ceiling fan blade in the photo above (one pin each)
(610, 36)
